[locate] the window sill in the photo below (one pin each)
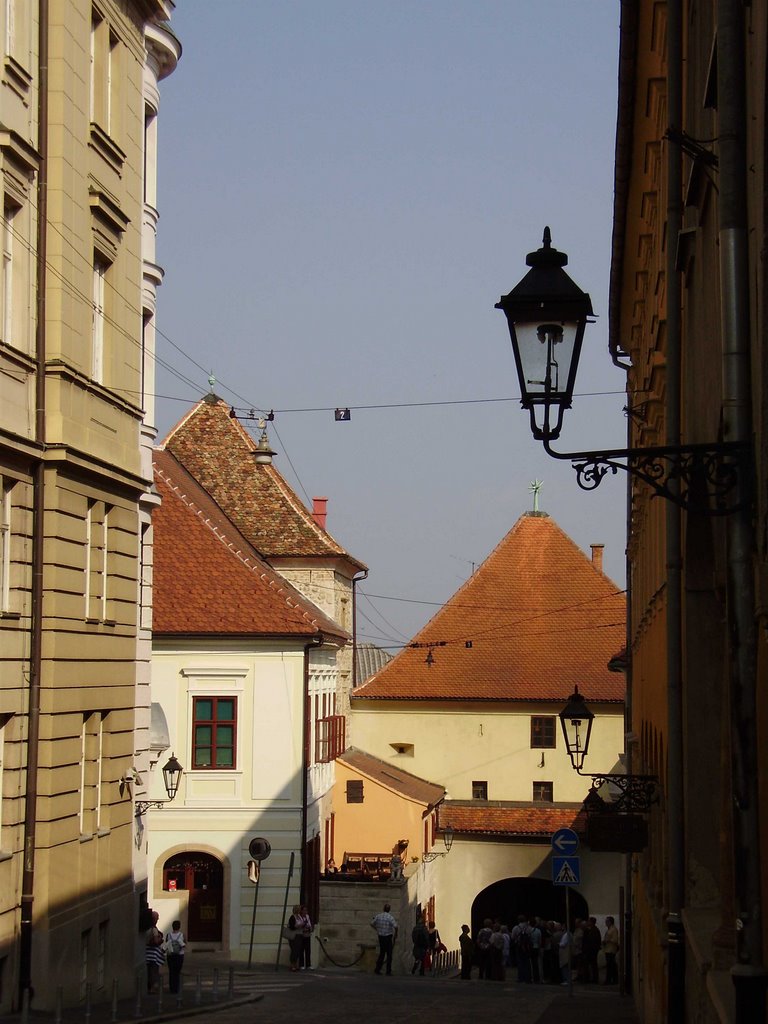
(5, 855)
(87, 837)
(17, 77)
(107, 148)
(10, 615)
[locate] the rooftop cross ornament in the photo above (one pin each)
(535, 487)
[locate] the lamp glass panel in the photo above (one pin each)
(543, 343)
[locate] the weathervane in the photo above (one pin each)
(535, 487)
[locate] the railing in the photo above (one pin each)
(206, 989)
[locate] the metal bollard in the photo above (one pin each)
(57, 1013)
(114, 1000)
(215, 984)
(231, 983)
(179, 992)
(198, 988)
(87, 1002)
(160, 995)
(139, 984)
(25, 1005)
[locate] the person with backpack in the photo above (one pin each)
(175, 944)
(522, 943)
(484, 950)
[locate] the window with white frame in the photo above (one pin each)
(106, 54)
(99, 324)
(6, 489)
(97, 529)
(92, 742)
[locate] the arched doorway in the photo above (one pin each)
(202, 876)
(513, 896)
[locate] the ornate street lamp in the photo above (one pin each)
(172, 772)
(631, 792)
(448, 834)
(547, 314)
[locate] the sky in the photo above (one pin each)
(345, 191)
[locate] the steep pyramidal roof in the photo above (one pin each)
(207, 578)
(217, 450)
(536, 619)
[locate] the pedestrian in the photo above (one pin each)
(577, 959)
(385, 927)
(467, 950)
(496, 954)
(564, 957)
(507, 954)
(295, 938)
(154, 956)
(535, 931)
(420, 939)
(591, 941)
(611, 948)
(551, 946)
(306, 927)
(522, 944)
(436, 944)
(175, 944)
(484, 949)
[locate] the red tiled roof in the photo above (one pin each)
(536, 619)
(393, 778)
(495, 819)
(217, 450)
(207, 578)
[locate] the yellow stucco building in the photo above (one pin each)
(78, 106)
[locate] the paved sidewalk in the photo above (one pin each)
(340, 996)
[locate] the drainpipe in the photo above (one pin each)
(316, 641)
(749, 974)
(355, 580)
(38, 532)
(675, 797)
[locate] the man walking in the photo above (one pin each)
(385, 927)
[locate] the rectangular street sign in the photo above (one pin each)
(566, 871)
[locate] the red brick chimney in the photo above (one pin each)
(597, 556)
(319, 506)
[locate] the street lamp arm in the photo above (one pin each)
(636, 792)
(698, 468)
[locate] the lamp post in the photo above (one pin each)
(172, 772)
(631, 792)
(547, 314)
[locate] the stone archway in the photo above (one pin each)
(512, 896)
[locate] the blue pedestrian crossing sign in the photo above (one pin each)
(566, 871)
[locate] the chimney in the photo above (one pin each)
(597, 556)
(319, 506)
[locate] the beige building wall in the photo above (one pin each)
(457, 745)
(71, 448)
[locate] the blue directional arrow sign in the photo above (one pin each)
(565, 842)
(566, 871)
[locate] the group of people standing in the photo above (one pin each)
(299, 935)
(541, 951)
(425, 939)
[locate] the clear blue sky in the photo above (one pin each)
(346, 189)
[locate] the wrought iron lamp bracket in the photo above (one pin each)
(142, 806)
(682, 474)
(429, 857)
(636, 793)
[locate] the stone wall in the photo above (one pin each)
(344, 930)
